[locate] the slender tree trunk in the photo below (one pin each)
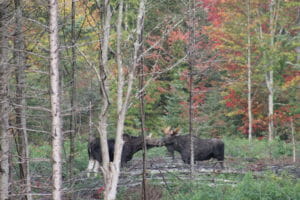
(119, 58)
(104, 89)
(297, 49)
(142, 116)
(21, 101)
(191, 57)
(142, 119)
(274, 6)
(111, 170)
(73, 120)
(269, 80)
(249, 73)
(293, 140)
(91, 136)
(4, 105)
(131, 78)
(57, 136)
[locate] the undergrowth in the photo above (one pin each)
(269, 187)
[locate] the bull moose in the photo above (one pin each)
(204, 149)
(132, 144)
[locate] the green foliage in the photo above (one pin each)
(81, 154)
(43, 153)
(153, 153)
(241, 148)
(269, 187)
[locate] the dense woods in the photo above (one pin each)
(75, 70)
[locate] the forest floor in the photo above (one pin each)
(164, 171)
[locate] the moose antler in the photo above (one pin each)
(175, 131)
(167, 130)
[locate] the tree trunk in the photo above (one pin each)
(4, 105)
(274, 6)
(249, 74)
(111, 170)
(57, 137)
(115, 166)
(269, 81)
(293, 140)
(21, 100)
(142, 116)
(119, 58)
(106, 168)
(191, 58)
(73, 120)
(91, 136)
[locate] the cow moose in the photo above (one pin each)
(132, 144)
(204, 149)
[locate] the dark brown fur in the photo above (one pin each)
(204, 149)
(132, 144)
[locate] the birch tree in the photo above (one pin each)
(111, 170)
(269, 75)
(107, 167)
(57, 136)
(191, 61)
(249, 82)
(4, 105)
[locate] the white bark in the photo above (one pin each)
(293, 140)
(191, 59)
(107, 168)
(104, 87)
(111, 171)
(115, 170)
(274, 7)
(121, 112)
(55, 102)
(249, 75)
(4, 105)
(119, 59)
(270, 86)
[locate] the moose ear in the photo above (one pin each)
(175, 132)
(167, 130)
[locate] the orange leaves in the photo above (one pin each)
(177, 35)
(232, 99)
(291, 80)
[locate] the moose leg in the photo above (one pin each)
(171, 152)
(96, 167)
(221, 163)
(186, 158)
(90, 167)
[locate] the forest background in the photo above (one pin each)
(244, 57)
